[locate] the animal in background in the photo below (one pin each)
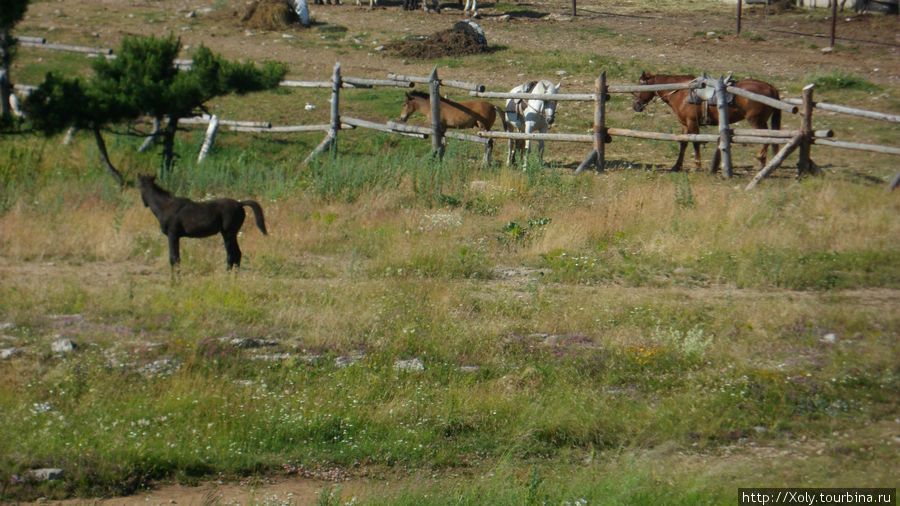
(180, 217)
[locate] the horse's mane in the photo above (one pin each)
(672, 77)
(426, 96)
(157, 188)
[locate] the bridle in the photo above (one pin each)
(663, 97)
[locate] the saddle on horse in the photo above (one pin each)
(706, 97)
(521, 103)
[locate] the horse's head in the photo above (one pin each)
(407, 108)
(411, 104)
(642, 98)
(549, 106)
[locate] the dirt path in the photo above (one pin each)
(269, 491)
(774, 46)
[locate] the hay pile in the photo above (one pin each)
(269, 15)
(460, 40)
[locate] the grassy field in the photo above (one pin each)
(424, 332)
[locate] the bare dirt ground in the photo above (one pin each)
(780, 45)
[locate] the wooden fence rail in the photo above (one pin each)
(802, 138)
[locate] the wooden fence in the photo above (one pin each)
(791, 140)
(801, 139)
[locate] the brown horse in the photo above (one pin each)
(179, 217)
(468, 114)
(692, 116)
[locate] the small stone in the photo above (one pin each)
(247, 342)
(45, 474)
(760, 429)
(191, 14)
(348, 360)
(414, 364)
(6, 353)
(63, 345)
(827, 50)
(829, 338)
(273, 357)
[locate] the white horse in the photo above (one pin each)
(471, 8)
(530, 115)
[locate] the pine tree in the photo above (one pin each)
(11, 12)
(143, 80)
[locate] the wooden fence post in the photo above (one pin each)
(210, 138)
(805, 164)
(437, 139)
(724, 146)
(70, 134)
(833, 22)
(776, 161)
(738, 28)
(600, 121)
(330, 140)
(597, 156)
(150, 138)
(894, 182)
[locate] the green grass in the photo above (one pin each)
(593, 356)
(838, 80)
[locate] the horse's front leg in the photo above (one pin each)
(529, 129)
(761, 156)
(716, 161)
(540, 143)
(174, 250)
(697, 164)
(511, 152)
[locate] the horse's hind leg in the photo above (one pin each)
(697, 163)
(232, 250)
(174, 250)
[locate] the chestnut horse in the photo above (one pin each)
(691, 116)
(468, 114)
(179, 217)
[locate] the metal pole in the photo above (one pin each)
(437, 139)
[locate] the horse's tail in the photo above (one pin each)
(775, 122)
(502, 113)
(257, 213)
